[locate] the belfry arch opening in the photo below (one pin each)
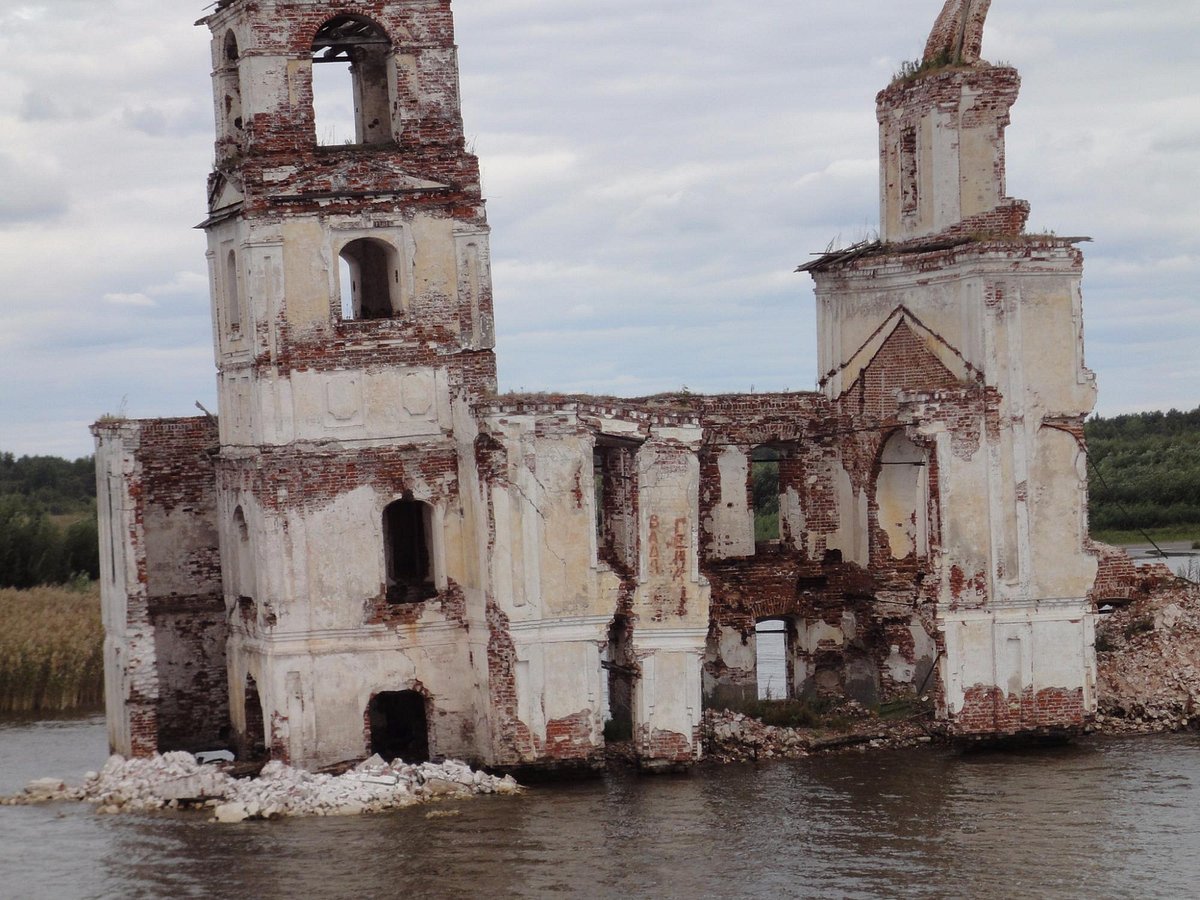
(230, 81)
(233, 300)
(398, 724)
(369, 280)
(408, 547)
(353, 68)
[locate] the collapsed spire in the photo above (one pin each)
(957, 35)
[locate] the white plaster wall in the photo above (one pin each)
(544, 558)
(732, 525)
(310, 275)
(813, 634)
(669, 576)
(560, 599)
(572, 681)
(791, 515)
(1046, 646)
(322, 684)
(1058, 514)
(667, 698)
(355, 404)
(125, 643)
(563, 472)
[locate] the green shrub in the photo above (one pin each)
(787, 713)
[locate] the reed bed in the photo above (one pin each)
(51, 649)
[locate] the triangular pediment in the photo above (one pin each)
(224, 192)
(903, 354)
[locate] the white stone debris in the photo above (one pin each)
(736, 737)
(172, 780)
(1149, 662)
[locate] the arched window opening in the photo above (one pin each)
(902, 497)
(399, 726)
(909, 172)
(242, 561)
(231, 124)
(771, 659)
(614, 476)
(369, 280)
(407, 528)
(764, 484)
(233, 304)
(243, 531)
(352, 52)
(253, 743)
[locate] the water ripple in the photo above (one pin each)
(1113, 818)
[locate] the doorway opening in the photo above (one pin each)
(399, 726)
(254, 739)
(771, 662)
(622, 670)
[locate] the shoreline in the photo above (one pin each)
(176, 782)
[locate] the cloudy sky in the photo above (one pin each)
(655, 172)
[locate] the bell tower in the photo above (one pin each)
(959, 336)
(352, 325)
(352, 257)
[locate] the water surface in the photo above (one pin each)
(1103, 818)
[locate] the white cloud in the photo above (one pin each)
(655, 172)
(128, 300)
(32, 190)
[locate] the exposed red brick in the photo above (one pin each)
(990, 711)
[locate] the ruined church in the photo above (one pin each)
(372, 550)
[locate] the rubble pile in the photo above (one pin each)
(1148, 662)
(176, 780)
(736, 737)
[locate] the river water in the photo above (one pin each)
(1106, 817)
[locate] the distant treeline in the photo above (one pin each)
(54, 485)
(1144, 473)
(1145, 470)
(48, 531)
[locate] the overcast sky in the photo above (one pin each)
(655, 171)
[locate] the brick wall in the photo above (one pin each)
(990, 711)
(173, 658)
(957, 34)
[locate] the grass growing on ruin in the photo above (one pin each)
(51, 649)
(910, 70)
(814, 712)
